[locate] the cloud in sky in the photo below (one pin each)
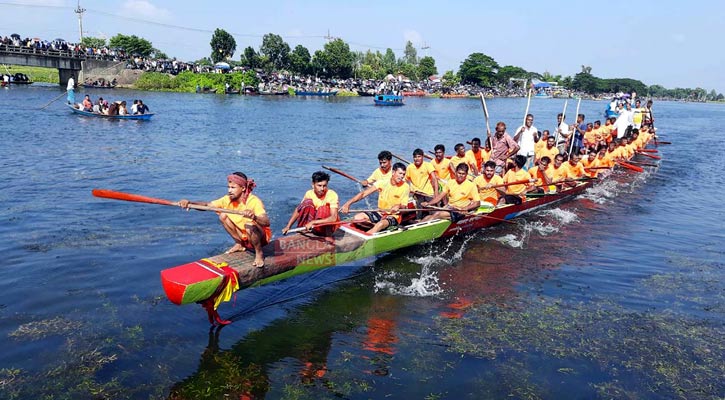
(145, 9)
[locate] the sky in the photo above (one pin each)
(669, 43)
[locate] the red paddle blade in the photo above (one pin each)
(651, 156)
(630, 166)
(112, 194)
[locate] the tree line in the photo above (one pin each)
(336, 60)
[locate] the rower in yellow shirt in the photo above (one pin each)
(392, 196)
(460, 194)
(556, 171)
(487, 193)
(440, 163)
(515, 194)
(574, 169)
(383, 173)
(550, 150)
(461, 157)
(422, 179)
(591, 164)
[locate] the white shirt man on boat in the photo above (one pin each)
(525, 138)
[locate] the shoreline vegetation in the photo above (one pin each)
(187, 82)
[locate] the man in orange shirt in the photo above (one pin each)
(461, 196)
(556, 172)
(250, 230)
(476, 153)
(515, 194)
(550, 150)
(574, 169)
(319, 206)
(537, 172)
(487, 193)
(383, 173)
(392, 196)
(440, 163)
(591, 164)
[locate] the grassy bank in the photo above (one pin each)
(188, 81)
(36, 74)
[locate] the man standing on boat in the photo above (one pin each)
(461, 197)
(525, 138)
(383, 173)
(318, 206)
(503, 147)
(393, 195)
(71, 90)
(250, 230)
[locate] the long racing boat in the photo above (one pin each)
(212, 280)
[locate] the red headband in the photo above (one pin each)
(241, 181)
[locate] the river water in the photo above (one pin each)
(616, 294)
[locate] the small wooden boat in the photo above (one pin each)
(416, 93)
(274, 93)
(314, 93)
(388, 100)
(97, 115)
(366, 93)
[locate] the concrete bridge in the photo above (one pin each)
(69, 63)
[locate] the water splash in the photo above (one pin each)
(511, 240)
(563, 216)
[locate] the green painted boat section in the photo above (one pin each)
(200, 291)
(380, 243)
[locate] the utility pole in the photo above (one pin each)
(80, 12)
(329, 37)
(425, 47)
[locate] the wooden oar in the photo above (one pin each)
(528, 103)
(657, 143)
(630, 166)
(303, 229)
(485, 114)
(427, 157)
(346, 175)
(649, 150)
(576, 121)
(470, 213)
(563, 117)
(650, 155)
(401, 158)
(644, 164)
(521, 182)
(593, 168)
(112, 194)
(52, 101)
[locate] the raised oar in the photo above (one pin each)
(563, 117)
(650, 155)
(528, 103)
(630, 166)
(427, 157)
(485, 114)
(112, 194)
(52, 101)
(346, 175)
(576, 118)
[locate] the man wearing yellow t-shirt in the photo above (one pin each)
(550, 150)
(591, 164)
(516, 193)
(461, 196)
(440, 163)
(538, 174)
(486, 182)
(574, 169)
(319, 206)
(462, 158)
(421, 177)
(392, 196)
(250, 230)
(383, 173)
(556, 171)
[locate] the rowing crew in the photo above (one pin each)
(443, 197)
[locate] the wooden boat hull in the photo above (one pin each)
(289, 256)
(96, 115)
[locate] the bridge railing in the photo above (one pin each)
(80, 55)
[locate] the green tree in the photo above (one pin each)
(300, 59)
(276, 50)
(318, 62)
(388, 61)
(159, 55)
(410, 55)
(132, 44)
(90, 41)
(450, 79)
(409, 70)
(366, 72)
(427, 67)
(338, 59)
(586, 82)
(222, 45)
(478, 69)
(250, 58)
(509, 71)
